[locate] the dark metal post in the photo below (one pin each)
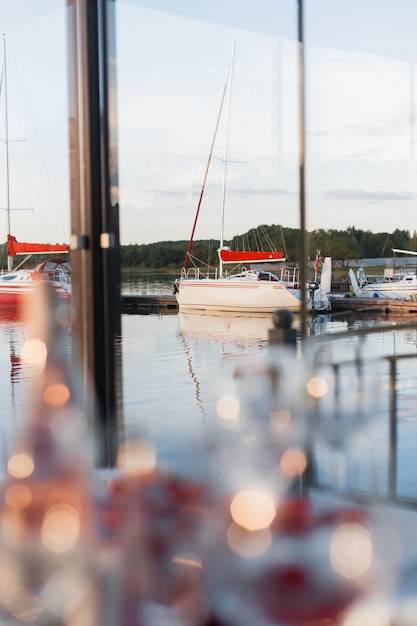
(95, 246)
(392, 459)
(303, 234)
(282, 332)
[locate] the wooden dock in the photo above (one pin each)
(374, 305)
(168, 304)
(149, 303)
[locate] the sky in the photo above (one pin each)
(172, 64)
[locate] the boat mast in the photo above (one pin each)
(6, 143)
(187, 254)
(226, 149)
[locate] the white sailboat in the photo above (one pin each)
(250, 288)
(393, 285)
(17, 284)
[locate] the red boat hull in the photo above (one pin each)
(18, 297)
(17, 286)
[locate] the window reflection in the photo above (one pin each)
(37, 122)
(361, 112)
(172, 67)
(360, 127)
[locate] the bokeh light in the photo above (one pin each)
(351, 550)
(20, 465)
(137, 456)
(369, 614)
(280, 420)
(56, 395)
(246, 543)
(317, 387)
(25, 606)
(293, 462)
(33, 354)
(60, 528)
(252, 509)
(228, 410)
(18, 497)
(187, 559)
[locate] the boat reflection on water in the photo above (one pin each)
(14, 330)
(9, 314)
(11, 374)
(10, 320)
(238, 331)
(230, 336)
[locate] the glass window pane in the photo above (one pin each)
(37, 115)
(173, 61)
(361, 93)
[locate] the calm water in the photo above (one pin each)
(174, 365)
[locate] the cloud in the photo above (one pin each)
(249, 191)
(368, 196)
(368, 153)
(396, 124)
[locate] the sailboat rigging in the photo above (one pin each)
(252, 289)
(226, 153)
(16, 285)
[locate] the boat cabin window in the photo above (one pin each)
(9, 276)
(267, 276)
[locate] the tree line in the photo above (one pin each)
(342, 246)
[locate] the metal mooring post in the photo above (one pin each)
(95, 245)
(283, 333)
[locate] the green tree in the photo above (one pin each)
(412, 245)
(341, 245)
